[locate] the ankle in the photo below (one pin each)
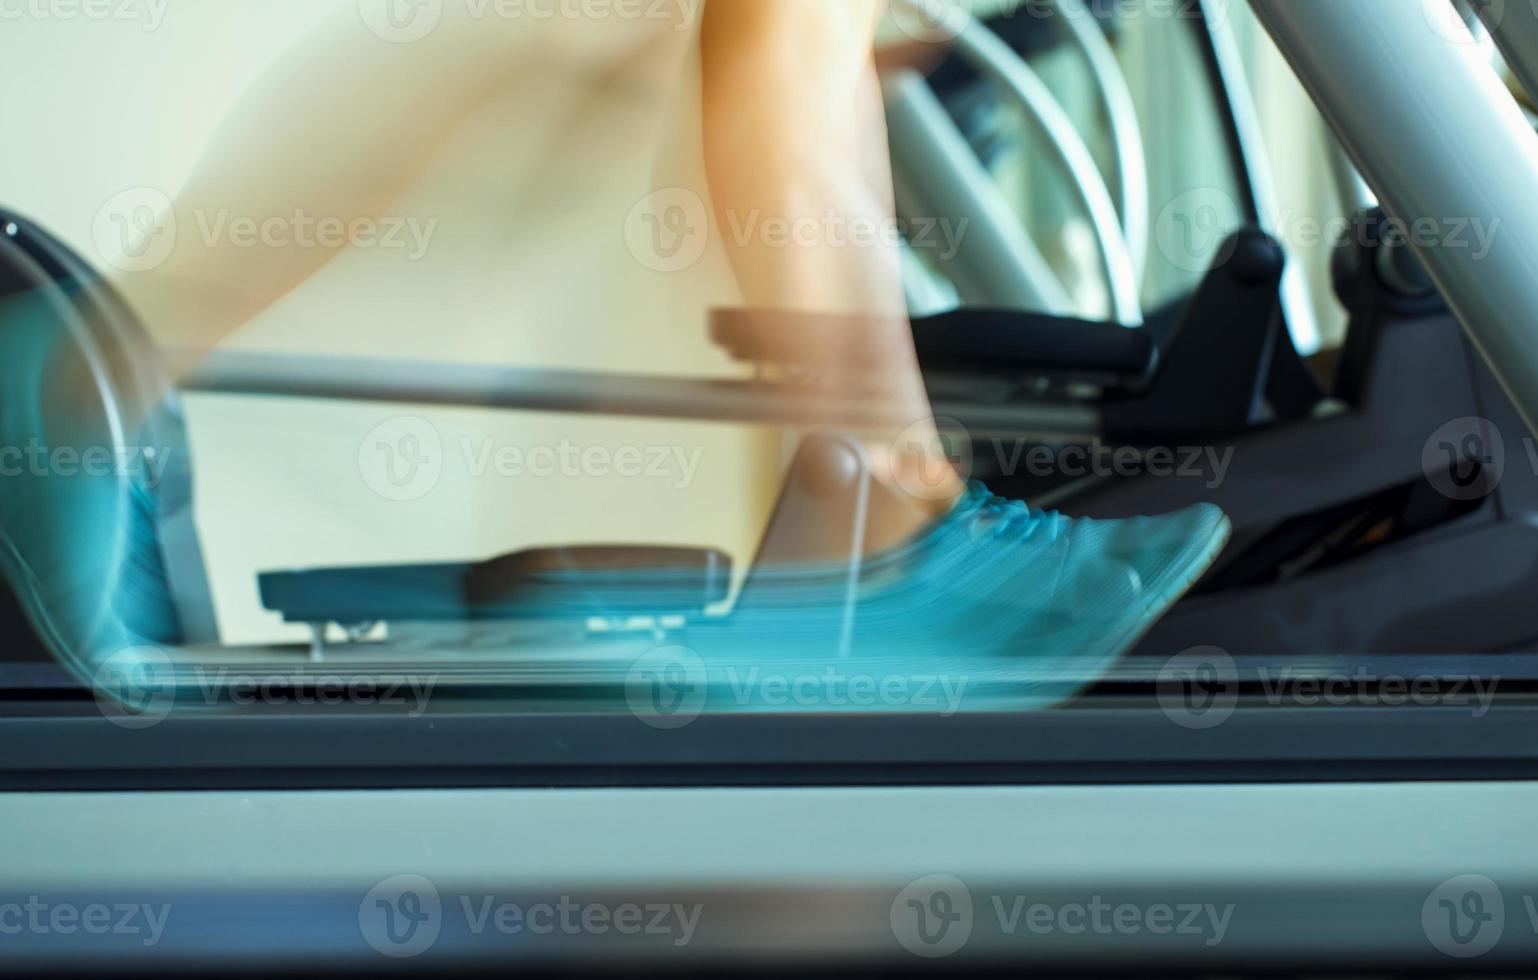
(929, 482)
(897, 514)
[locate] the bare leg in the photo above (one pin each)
(794, 133)
(334, 130)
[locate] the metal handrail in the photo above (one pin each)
(1439, 138)
(997, 61)
(1129, 177)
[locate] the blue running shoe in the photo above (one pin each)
(1026, 605)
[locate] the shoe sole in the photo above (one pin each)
(1186, 577)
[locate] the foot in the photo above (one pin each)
(1041, 602)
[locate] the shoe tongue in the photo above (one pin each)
(981, 505)
(941, 536)
(975, 503)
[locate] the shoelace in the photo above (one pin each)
(1003, 517)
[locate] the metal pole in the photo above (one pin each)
(1514, 26)
(588, 393)
(1439, 138)
(1115, 96)
(1235, 88)
(938, 175)
(1019, 84)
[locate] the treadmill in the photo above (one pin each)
(1348, 837)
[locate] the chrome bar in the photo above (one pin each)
(1352, 193)
(1439, 138)
(926, 292)
(1130, 178)
(591, 393)
(996, 60)
(1514, 26)
(937, 175)
(1297, 300)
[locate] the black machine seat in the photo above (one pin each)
(558, 583)
(1220, 363)
(963, 339)
(1015, 341)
